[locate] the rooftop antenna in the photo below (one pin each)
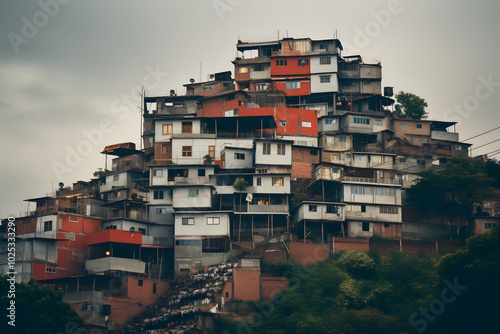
(140, 112)
(201, 67)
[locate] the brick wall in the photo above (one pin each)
(351, 244)
(246, 284)
(308, 253)
(274, 256)
(271, 286)
(303, 161)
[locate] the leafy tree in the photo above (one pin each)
(368, 320)
(451, 192)
(410, 106)
(357, 263)
(240, 184)
(38, 309)
(472, 303)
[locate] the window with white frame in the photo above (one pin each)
(361, 120)
(324, 78)
(161, 211)
(313, 208)
(293, 85)
(306, 124)
(325, 60)
(187, 221)
(47, 226)
(358, 190)
(266, 148)
(158, 172)
(239, 156)
(281, 149)
(213, 220)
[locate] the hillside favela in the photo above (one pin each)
(292, 193)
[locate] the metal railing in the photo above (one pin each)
(369, 180)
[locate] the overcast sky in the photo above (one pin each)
(76, 67)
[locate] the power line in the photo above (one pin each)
(483, 133)
(491, 142)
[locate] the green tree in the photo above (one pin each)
(357, 263)
(38, 309)
(468, 282)
(240, 184)
(410, 106)
(451, 192)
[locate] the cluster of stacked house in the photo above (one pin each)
(307, 129)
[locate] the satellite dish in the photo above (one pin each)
(172, 92)
(132, 229)
(61, 185)
(191, 80)
(211, 76)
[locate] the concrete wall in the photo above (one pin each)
(316, 67)
(323, 87)
(370, 196)
(191, 178)
(124, 180)
(272, 286)
(303, 161)
(176, 128)
(372, 213)
(166, 218)
(328, 123)
(303, 212)
(273, 158)
(182, 200)
(200, 148)
(115, 263)
(230, 160)
(201, 227)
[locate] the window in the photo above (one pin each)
(193, 192)
(143, 230)
(239, 156)
(293, 85)
(330, 121)
(166, 129)
(166, 148)
(303, 62)
(325, 60)
(50, 270)
(187, 151)
(229, 97)
(358, 157)
(361, 120)
(313, 152)
(266, 148)
(421, 162)
(324, 79)
(140, 282)
(111, 227)
(158, 172)
(386, 225)
(419, 126)
(354, 208)
(258, 68)
(313, 208)
(282, 123)
(342, 139)
(488, 226)
(86, 307)
(187, 127)
(213, 220)
(243, 70)
(363, 208)
(366, 227)
(47, 226)
(188, 242)
(158, 194)
(281, 149)
(278, 181)
(306, 124)
(211, 151)
(201, 172)
(207, 87)
(187, 221)
(389, 209)
(403, 125)
(356, 190)
(154, 287)
(281, 62)
(259, 181)
(116, 177)
(262, 170)
(402, 160)
(322, 46)
(161, 211)
(385, 192)
(331, 209)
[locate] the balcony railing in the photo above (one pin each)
(368, 180)
(250, 135)
(262, 208)
(115, 264)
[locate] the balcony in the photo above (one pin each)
(368, 180)
(444, 135)
(124, 237)
(115, 264)
(262, 208)
(149, 240)
(249, 135)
